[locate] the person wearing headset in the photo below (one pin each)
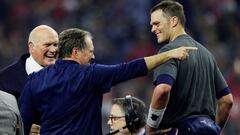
(128, 116)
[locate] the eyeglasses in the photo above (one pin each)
(114, 118)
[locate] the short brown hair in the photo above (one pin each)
(171, 8)
(70, 38)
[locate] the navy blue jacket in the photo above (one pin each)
(14, 77)
(66, 98)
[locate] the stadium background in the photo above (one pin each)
(121, 33)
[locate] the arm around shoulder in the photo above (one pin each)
(180, 53)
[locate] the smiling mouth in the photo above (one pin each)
(51, 57)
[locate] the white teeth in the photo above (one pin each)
(50, 56)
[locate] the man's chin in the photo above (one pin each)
(50, 62)
(162, 42)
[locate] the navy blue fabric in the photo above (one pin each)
(66, 98)
(164, 78)
(14, 77)
(223, 92)
(199, 126)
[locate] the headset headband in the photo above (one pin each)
(130, 115)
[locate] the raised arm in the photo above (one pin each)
(109, 75)
(180, 53)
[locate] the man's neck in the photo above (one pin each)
(70, 58)
(32, 66)
(178, 32)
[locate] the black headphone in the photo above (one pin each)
(131, 117)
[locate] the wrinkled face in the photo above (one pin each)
(160, 23)
(117, 119)
(44, 47)
(88, 53)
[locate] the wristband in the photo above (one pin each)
(155, 117)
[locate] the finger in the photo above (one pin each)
(163, 131)
(167, 130)
(35, 130)
(37, 126)
(34, 126)
(191, 48)
(184, 56)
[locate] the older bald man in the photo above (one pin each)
(43, 51)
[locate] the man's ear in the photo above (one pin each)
(30, 47)
(75, 51)
(174, 21)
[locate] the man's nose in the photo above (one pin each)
(153, 29)
(53, 48)
(109, 122)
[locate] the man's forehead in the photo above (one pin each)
(155, 15)
(117, 110)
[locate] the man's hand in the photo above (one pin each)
(35, 130)
(154, 131)
(181, 53)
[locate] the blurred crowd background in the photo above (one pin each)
(121, 33)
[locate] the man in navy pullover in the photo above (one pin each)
(66, 98)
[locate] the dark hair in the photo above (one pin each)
(139, 108)
(171, 8)
(70, 38)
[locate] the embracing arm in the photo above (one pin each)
(179, 53)
(109, 75)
